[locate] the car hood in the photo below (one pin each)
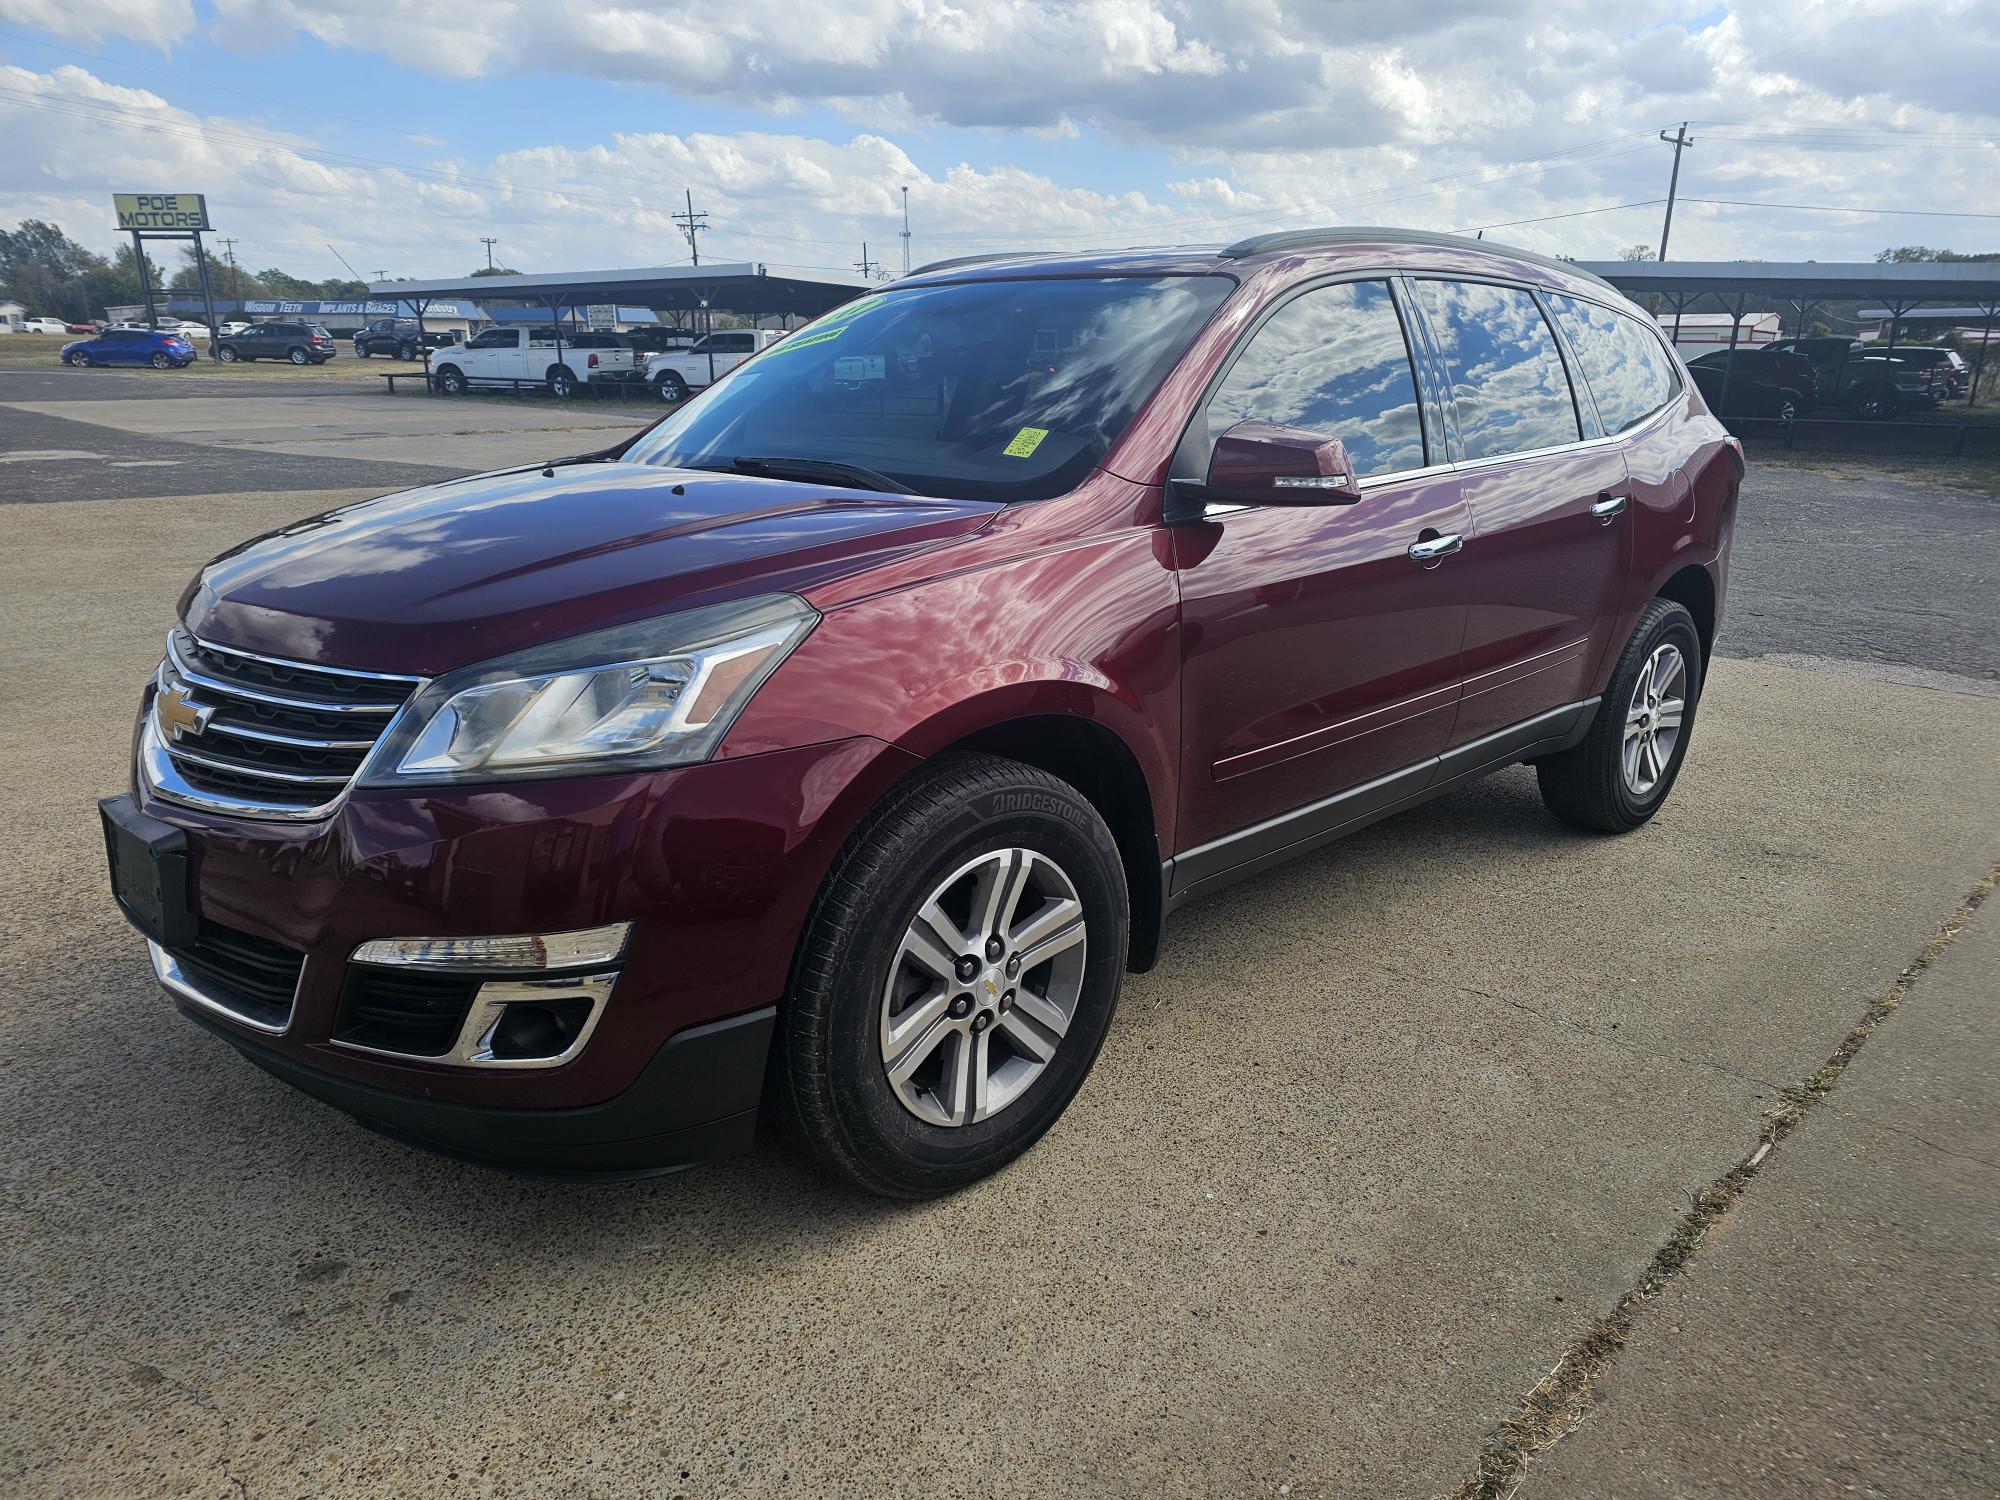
(435, 578)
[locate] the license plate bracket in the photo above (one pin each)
(149, 872)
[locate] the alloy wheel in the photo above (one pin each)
(1653, 720)
(983, 988)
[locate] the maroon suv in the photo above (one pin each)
(837, 743)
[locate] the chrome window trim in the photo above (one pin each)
(473, 1047)
(167, 969)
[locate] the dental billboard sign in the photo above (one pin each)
(161, 211)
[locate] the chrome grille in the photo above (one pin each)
(281, 739)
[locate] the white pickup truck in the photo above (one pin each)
(532, 355)
(678, 372)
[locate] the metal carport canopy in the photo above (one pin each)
(752, 287)
(1880, 281)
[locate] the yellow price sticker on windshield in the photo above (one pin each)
(1026, 441)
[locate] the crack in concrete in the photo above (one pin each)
(1558, 1403)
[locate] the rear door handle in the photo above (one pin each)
(1604, 507)
(1435, 548)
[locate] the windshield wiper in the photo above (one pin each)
(822, 470)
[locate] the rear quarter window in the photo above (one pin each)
(1505, 373)
(1626, 369)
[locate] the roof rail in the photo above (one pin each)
(976, 260)
(1306, 239)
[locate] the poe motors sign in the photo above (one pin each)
(171, 212)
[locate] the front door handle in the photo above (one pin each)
(1604, 507)
(1435, 548)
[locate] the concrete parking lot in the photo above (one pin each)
(1385, 1138)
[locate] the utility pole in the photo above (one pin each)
(235, 276)
(489, 242)
(692, 223)
(906, 231)
(865, 266)
(381, 275)
(1680, 142)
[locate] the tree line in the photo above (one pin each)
(53, 276)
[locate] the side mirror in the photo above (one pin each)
(1262, 463)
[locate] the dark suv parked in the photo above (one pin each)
(301, 343)
(841, 740)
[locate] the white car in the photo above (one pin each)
(230, 330)
(524, 355)
(184, 327)
(677, 373)
(44, 325)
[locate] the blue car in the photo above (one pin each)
(131, 346)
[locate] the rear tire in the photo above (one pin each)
(1618, 776)
(562, 382)
(994, 1056)
(162, 362)
(406, 351)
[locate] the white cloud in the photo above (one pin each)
(1240, 115)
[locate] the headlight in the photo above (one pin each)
(656, 693)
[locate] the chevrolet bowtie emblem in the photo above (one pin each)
(992, 988)
(177, 715)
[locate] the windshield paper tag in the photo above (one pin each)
(1026, 441)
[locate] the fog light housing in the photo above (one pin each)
(546, 1029)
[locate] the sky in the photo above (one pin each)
(398, 134)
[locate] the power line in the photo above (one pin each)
(1609, 208)
(1845, 208)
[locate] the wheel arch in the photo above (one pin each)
(1693, 589)
(1094, 759)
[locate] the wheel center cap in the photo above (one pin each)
(988, 987)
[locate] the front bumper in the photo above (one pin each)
(694, 1101)
(715, 866)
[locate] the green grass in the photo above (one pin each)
(1979, 476)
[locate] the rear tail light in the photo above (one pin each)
(592, 362)
(318, 340)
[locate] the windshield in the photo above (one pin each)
(983, 390)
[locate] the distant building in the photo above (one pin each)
(335, 316)
(1973, 325)
(11, 314)
(1699, 333)
(621, 320)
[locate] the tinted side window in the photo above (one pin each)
(1623, 364)
(1334, 362)
(1506, 374)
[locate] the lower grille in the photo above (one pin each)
(243, 733)
(420, 1014)
(251, 976)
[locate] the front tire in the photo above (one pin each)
(671, 389)
(956, 979)
(80, 358)
(227, 356)
(1621, 772)
(451, 380)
